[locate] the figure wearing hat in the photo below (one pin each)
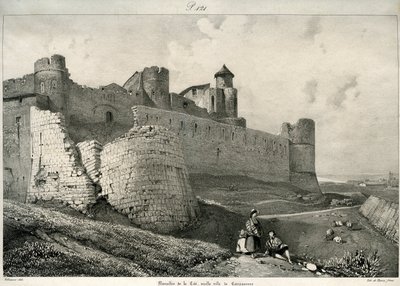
(254, 232)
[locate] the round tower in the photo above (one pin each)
(302, 154)
(50, 78)
(302, 137)
(156, 85)
(224, 78)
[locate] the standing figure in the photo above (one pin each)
(276, 248)
(254, 232)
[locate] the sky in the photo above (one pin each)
(341, 71)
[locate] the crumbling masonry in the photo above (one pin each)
(137, 144)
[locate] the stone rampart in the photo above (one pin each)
(144, 177)
(383, 215)
(222, 149)
(56, 169)
(89, 152)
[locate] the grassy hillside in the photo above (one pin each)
(45, 242)
(240, 194)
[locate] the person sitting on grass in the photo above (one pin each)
(276, 248)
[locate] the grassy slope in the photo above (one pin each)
(45, 242)
(248, 193)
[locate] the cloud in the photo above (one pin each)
(87, 40)
(313, 27)
(310, 89)
(72, 44)
(344, 91)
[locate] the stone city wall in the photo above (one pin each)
(18, 86)
(144, 177)
(383, 215)
(56, 169)
(89, 152)
(17, 147)
(221, 149)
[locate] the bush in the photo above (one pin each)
(357, 264)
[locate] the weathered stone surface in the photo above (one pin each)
(144, 176)
(56, 169)
(383, 215)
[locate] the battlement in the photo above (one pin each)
(155, 73)
(303, 132)
(18, 86)
(56, 62)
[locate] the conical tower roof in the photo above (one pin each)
(223, 71)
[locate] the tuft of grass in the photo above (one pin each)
(355, 264)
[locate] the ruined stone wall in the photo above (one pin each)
(89, 152)
(17, 147)
(383, 215)
(57, 172)
(17, 86)
(222, 149)
(144, 176)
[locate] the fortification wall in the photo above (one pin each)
(383, 215)
(89, 105)
(222, 149)
(57, 172)
(144, 176)
(89, 152)
(17, 147)
(17, 86)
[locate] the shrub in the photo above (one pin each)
(357, 264)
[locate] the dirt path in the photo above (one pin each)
(307, 213)
(245, 266)
(285, 201)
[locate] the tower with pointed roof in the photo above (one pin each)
(224, 78)
(226, 92)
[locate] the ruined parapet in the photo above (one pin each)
(56, 170)
(383, 215)
(18, 86)
(90, 156)
(302, 154)
(144, 177)
(156, 84)
(51, 79)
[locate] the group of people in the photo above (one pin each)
(250, 240)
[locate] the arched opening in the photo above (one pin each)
(212, 104)
(42, 87)
(109, 117)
